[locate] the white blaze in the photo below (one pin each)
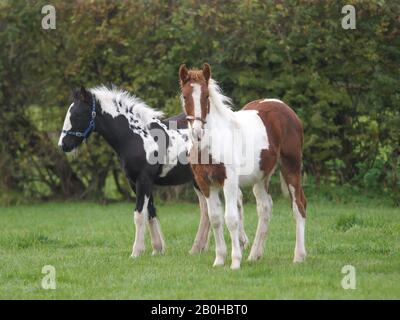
(67, 125)
(196, 94)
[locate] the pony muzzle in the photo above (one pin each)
(197, 129)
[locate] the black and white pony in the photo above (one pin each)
(138, 136)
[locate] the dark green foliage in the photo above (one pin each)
(344, 84)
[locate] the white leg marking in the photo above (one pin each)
(140, 225)
(232, 220)
(216, 218)
(299, 250)
(157, 239)
(264, 211)
(200, 242)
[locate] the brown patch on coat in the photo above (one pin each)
(285, 136)
(206, 175)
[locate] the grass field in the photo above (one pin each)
(89, 245)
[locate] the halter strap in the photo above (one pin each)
(196, 118)
(85, 134)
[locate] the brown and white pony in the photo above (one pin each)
(232, 149)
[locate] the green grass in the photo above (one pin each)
(89, 245)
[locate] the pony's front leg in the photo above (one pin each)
(140, 217)
(215, 214)
(200, 242)
(231, 190)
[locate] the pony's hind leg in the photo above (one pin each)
(157, 239)
(264, 211)
(299, 204)
(244, 240)
(200, 242)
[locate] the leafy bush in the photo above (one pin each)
(342, 83)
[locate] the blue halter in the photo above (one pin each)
(85, 134)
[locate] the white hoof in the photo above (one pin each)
(158, 250)
(137, 252)
(197, 249)
(235, 264)
(157, 253)
(255, 255)
(219, 262)
(299, 257)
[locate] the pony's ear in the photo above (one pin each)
(206, 71)
(83, 95)
(183, 73)
(75, 93)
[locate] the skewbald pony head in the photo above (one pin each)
(186, 75)
(195, 97)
